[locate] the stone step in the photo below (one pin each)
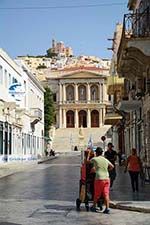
(66, 138)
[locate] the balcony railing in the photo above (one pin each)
(136, 25)
(36, 113)
(111, 116)
(80, 102)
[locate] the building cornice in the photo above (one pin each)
(10, 61)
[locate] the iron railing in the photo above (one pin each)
(80, 102)
(136, 25)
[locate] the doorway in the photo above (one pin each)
(94, 118)
(70, 119)
(82, 118)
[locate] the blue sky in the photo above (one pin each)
(86, 30)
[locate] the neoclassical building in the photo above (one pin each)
(80, 96)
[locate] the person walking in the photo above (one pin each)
(102, 181)
(134, 167)
(111, 155)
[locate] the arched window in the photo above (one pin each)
(82, 92)
(94, 92)
(70, 93)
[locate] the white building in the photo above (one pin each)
(21, 112)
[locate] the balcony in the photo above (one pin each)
(129, 105)
(36, 115)
(134, 52)
(114, 84)
(69, 102)
(111, 116)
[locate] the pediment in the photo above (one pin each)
(79, 75)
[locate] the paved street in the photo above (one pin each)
(122, 190)
(46, 194)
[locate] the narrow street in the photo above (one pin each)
(47, 194)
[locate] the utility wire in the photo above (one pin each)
(62, 7)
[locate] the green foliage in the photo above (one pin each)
(50, 54)
(49, 110)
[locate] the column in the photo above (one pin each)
(76, 119)
(88, 92)
(60, 93)
(100, 96)
(60, 118)
(3, 139)
(102, 93)
(76, 93)
(89, 118)
(105, 92)
(104, 112)
(64, 118)
(64, 92)
(100, 117)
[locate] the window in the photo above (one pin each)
(1, 74)
(14, 80)
(70, 93)
(54, 97)
(28, 141)
(5, 77)
(9, 79)
(148, 85)
(94, 92)
(82, 92)
(1, 138)
(38, 145)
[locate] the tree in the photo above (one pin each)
(49, 110)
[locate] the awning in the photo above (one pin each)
(129, 105)
(112, 118)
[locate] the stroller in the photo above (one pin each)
(86, 185)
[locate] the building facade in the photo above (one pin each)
(115, 88)
(81, 97)
(133, 63)
(21, 112)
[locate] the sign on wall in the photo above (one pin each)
(16, 90)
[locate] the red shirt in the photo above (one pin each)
(134, 163)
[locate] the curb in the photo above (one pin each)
(119, 205)
(9, 173)
(47, 159)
